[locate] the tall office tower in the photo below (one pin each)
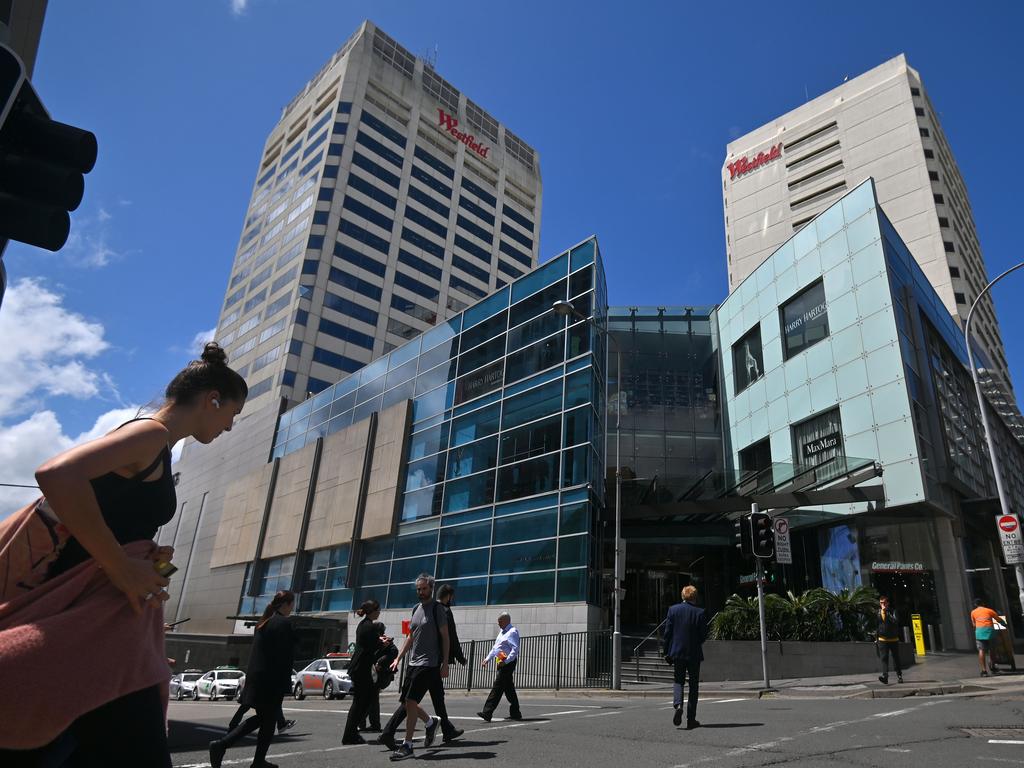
(384, 201)
(881, 124)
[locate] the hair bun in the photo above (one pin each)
(214, 354)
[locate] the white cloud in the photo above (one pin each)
(238, 6)
(89, 242)
(26, 445)
(199, 341)
(46, 348)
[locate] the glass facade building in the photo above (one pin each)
(502, 476)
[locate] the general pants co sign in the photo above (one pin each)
(1010, 537)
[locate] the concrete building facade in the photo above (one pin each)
(883, 125)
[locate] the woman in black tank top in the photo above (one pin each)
(115, 490)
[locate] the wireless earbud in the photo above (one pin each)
(216, 403)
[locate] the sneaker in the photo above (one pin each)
(691, 724)
(899, 678)
(984, 674)
(217, 750)
(388, 740)
(403, 752)
(677, 717)
(452, 735)
(288, 725)
(430, 731)
(883, 679)
(484, 716)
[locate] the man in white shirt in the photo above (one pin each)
(506, 653)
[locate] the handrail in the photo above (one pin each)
(637, 647)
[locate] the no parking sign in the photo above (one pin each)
(783, 552)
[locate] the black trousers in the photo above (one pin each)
(885, 650)
(264, 721)
(362, 696)
(684, 669)
(372, 711)
(243, 708)
(436, 698)
(128, 731)
(505, 685)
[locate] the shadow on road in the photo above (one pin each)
(730, 725)
(186, 736)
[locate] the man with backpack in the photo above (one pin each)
(428, 648)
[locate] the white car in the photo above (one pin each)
(182, 686)
(220, 683)
(241, 684)
(327, 676)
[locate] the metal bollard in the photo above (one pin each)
(931, 638)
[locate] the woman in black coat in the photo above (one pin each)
(360, 670)
(266, 680)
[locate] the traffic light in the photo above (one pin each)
(762, 535)
(742, 537)
(42, 163)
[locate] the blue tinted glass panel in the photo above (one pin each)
(416, 544)
(534, 525)
(378, 573)
(424, 503)
(476, 424)
(575, 518)
(484, 513)
(531, 405)
(572, 551)
(528, 478)
(428, 442)
(572, 586)
(470, 591)
(469, 492)
(425, 472)
(408, 570)
(474, 457)
(379, 549)
(471, 563)
(532, 556)
(432, 402)
(540, 277)
(465, 536)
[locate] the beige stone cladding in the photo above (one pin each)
(332, 520)
(386, 473)
(290, 493)
(239, 529)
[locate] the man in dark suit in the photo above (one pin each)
(686, 629)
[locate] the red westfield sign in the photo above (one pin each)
(746, 165)
(1008, 523)
(450, 124)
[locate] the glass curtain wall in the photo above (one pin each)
(505, 455)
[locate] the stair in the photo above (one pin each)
(652, 668)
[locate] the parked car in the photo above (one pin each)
(241, 684)
(327, 676)
(181, 686)
(219, 683)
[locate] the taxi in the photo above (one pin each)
(327, 677)
(219, 683)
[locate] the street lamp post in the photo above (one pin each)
(566, 309)
(1004, 504)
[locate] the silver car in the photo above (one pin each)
(183, 685)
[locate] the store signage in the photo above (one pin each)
(797, 323)
(450, 124)
(897, 566)
(783, 550)
(824, 443)
(1010, 537)
(478, 383)
(746, 165)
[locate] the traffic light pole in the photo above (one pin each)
(759, 577)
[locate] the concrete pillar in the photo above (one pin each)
(954, 595)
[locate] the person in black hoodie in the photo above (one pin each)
(445, 596)
(887, 638)
(266, 680)
(360, 670)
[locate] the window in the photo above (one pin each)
(804, 320)
(368, 165)
(482, 194)
(747, 361)
(426, 200)
(939, 199)
(943, 222)
(960, 298)
(919, 111)
(416, 286)
(474, 229)
(345, 333)
(435, 184)
(420, 265)
(819, 440)
(350, 308)
(433, 162)
(516, 235)
(929, 154)
(371, 191)
(476, 210)
(933, 175)
(361, 209)
(422, 242)
(472, 248)
(954, 272)
(382, 128)
(462, 285)
(425, 221)
(948, 246)
(915, 91)
(354, 283)
(375, 146)
(510, 250)
(517, 217)
(470, 269)
(756, 463)
(334, 360)
(361, 260)
(925, 133)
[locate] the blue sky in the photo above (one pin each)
(630, 107)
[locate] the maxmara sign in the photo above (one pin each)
(746, 165)
(450, 124)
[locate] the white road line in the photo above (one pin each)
(895, 749)
(722, 701)
(601, 714)
(309, 709)
(276, 755)
(1001, 760)
(894, 712)
(1005, 741)
(566, 712)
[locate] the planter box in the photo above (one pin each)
(741, 659)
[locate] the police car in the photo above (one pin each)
(327, 676)
(181, 686)
(219, 683)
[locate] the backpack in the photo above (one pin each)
(30, 540)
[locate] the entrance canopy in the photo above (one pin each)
(718, 496)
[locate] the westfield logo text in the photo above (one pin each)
(450, 124)
(746, 165)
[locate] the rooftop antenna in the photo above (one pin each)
(430, 57)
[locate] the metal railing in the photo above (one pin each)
(550, 662)
(638, 646)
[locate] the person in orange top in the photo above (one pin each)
(981, 619)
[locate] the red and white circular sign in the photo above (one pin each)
(1008, 523)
